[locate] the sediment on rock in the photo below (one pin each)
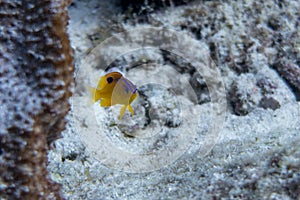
(35, 84)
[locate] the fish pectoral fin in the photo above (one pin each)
(122, 111)
(105, 102)
(130, 109)
(95, 94)
(92, 92)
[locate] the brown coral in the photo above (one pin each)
(35, 81)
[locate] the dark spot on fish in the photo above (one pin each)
(110, 79)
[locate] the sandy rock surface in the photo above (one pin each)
(179, 144)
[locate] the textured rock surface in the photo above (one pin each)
(146, 6)
(35, 82)
(258, 153)
(290, 71)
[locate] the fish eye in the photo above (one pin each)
(110, 79)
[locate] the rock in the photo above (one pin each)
(257, 152)
(141, 5)
(244, 94)
(291, 73)
(269, 103)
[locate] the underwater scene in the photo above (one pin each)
(150, 99)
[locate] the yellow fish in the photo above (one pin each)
(113, 88)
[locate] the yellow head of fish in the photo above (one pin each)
(113, 88)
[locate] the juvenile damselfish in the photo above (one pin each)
(113, 88)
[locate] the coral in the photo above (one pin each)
(35, 84)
